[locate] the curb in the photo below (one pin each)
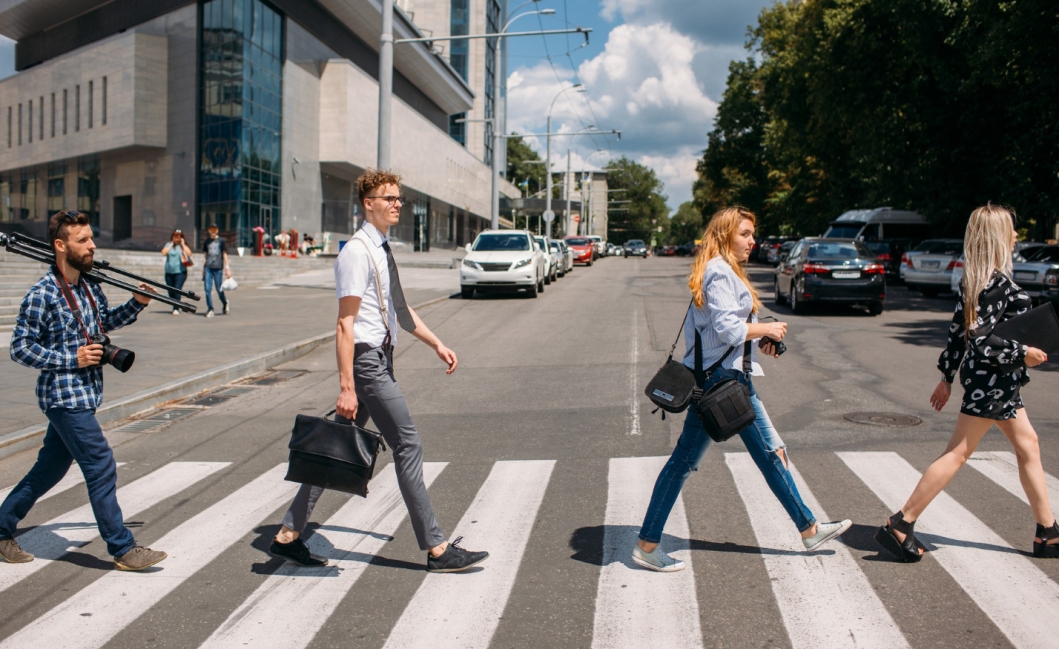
(31, 436)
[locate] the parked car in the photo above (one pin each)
(552, 273)
(687, 249)
(635, 247)
(831, 270)
(566, 257)
(879, 224)
(613, 250)
(957, 271)
(503, 260)
(667, 251)
(1039, 274)
(768, 246)
(583, 248)
(600, 246)
(775, 255)
(929, 267)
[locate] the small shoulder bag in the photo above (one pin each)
(725, 409)
(672, 385)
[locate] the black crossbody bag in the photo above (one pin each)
(672, 385)
(725, 409)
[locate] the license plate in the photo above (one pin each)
(1022, 274)
(846, 274)
(931, 265)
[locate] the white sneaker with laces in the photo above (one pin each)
(209, 314)
(825, 532)
(656, 560)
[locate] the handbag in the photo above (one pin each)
(671, 387)
(1037, 327)
(187, 260)
(332, 455)
(725, 409)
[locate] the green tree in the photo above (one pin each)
(645, 211)
(686, 224)
(520, 170)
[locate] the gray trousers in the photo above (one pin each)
(379, 397)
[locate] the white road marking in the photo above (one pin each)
(102, 609)
(72, 478)
(634, 406)
(824, 598)
(76, 528)
(290, 607)
(634, 606)
(450, 611)
(1002, 468)
(1006, 585)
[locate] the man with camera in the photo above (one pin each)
(61, 331)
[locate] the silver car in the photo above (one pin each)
(929, 266)
(564, 257)
(1039, 275)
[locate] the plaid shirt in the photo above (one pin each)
(47, 336)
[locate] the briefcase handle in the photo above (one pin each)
(382, 442)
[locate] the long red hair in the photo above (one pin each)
(717, 241)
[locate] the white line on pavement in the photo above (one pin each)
(290, 607)
(824, 598)
(634, 407)
(72, 478)
(1002, 468)
(450, 611)
(1005, 585)
(76, 528)
(102, 609)
(634, 606)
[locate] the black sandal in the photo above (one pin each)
(906, 551)
(1043, 549)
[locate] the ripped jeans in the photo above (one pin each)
(760, 438)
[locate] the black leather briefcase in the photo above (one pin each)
(332, 455)
(1038, 328)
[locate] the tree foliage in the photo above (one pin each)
(520, 171)
(645, 210)
(686, 224)
(932, 105)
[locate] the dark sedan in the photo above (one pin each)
(831, 270)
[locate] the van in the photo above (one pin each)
(886, 231)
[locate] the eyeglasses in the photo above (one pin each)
(392, 199)
(71, 215)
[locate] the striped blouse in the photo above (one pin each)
(721, 321)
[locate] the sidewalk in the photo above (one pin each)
(170, 347)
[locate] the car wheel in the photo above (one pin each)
(875, 308)
(929, 291)
(548, 278)
(779, 296)
(540, 285)
(467, 292)
(797, 303)
(589, 263)
(555, 274)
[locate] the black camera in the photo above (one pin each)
(120, 358)
(778, 344)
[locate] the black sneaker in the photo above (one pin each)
(296, 552)
(455, 558)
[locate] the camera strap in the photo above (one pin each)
(68, 296)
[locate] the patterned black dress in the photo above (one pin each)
(995, 369)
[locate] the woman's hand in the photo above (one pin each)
(1035, 357)
(941, 395)
(769, 349)
(775, 331)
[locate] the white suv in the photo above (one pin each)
(503, 261)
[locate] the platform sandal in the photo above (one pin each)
(906, 551)
(1044, 549)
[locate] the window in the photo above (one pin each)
(53, 114)
(77, 107)
(91, 92)
(103, 113)
(56, 187)
(9, 127)
(41, 103)
(20, 124)
(65, 102)
(30, 111)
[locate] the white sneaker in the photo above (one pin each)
(176, 311)
(227, 307)
(656, 560)
(209, 314)
(825, 532)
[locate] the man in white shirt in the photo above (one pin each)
(371, 305)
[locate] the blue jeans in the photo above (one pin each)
(176, 280)
(72, 435)
(760, 438)
(214, 277)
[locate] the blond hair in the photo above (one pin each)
(986, 248)
(717, 242)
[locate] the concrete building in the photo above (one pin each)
(151, 116)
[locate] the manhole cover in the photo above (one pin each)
(172, 414)
(890, 419)
(210, 400)
(139, 426)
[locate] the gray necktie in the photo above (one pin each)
(404, 316)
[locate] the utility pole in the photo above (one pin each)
(385, 84)
(567, 188)
(495, 175)
(548, 183)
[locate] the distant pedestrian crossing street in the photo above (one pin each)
(825, 598)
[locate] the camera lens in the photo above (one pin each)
(121, 359)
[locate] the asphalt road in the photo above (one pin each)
(542, 449)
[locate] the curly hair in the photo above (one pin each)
(374, 178)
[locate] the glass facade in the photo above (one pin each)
(241, 118)
(493, 17)
(88, 189)
(459, 25)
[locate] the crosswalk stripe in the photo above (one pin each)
(291, 606)
(825, 601)
(450, 611)
(636, 607)
(1002, 468)
(72, 478)
(1005, 585)
(101, 610)
(53, 539)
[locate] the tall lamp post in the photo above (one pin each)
(548, 158)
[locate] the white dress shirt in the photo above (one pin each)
(721, 321)
(355, 276)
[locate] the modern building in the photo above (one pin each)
(151, 116)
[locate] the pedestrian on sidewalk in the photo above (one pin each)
(215, 266)
(724, 312)
(993, 371)
(371, 304)
(56, 322)
(177, 255)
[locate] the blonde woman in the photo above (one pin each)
(724, 312)
(993, 370)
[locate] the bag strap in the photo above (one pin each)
(378, 290)
(680, 333)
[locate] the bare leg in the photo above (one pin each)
(1020, 433)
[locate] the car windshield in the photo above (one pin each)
(556, 246)
(940, 247)
(878, 247)
(578, 241)
(634, 242)
(843, 230)
(489, 242)
(541, 242)
(838, 251)
(1048, 255)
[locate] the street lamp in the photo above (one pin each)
(548, 159)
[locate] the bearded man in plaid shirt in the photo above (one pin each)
(52, 335)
